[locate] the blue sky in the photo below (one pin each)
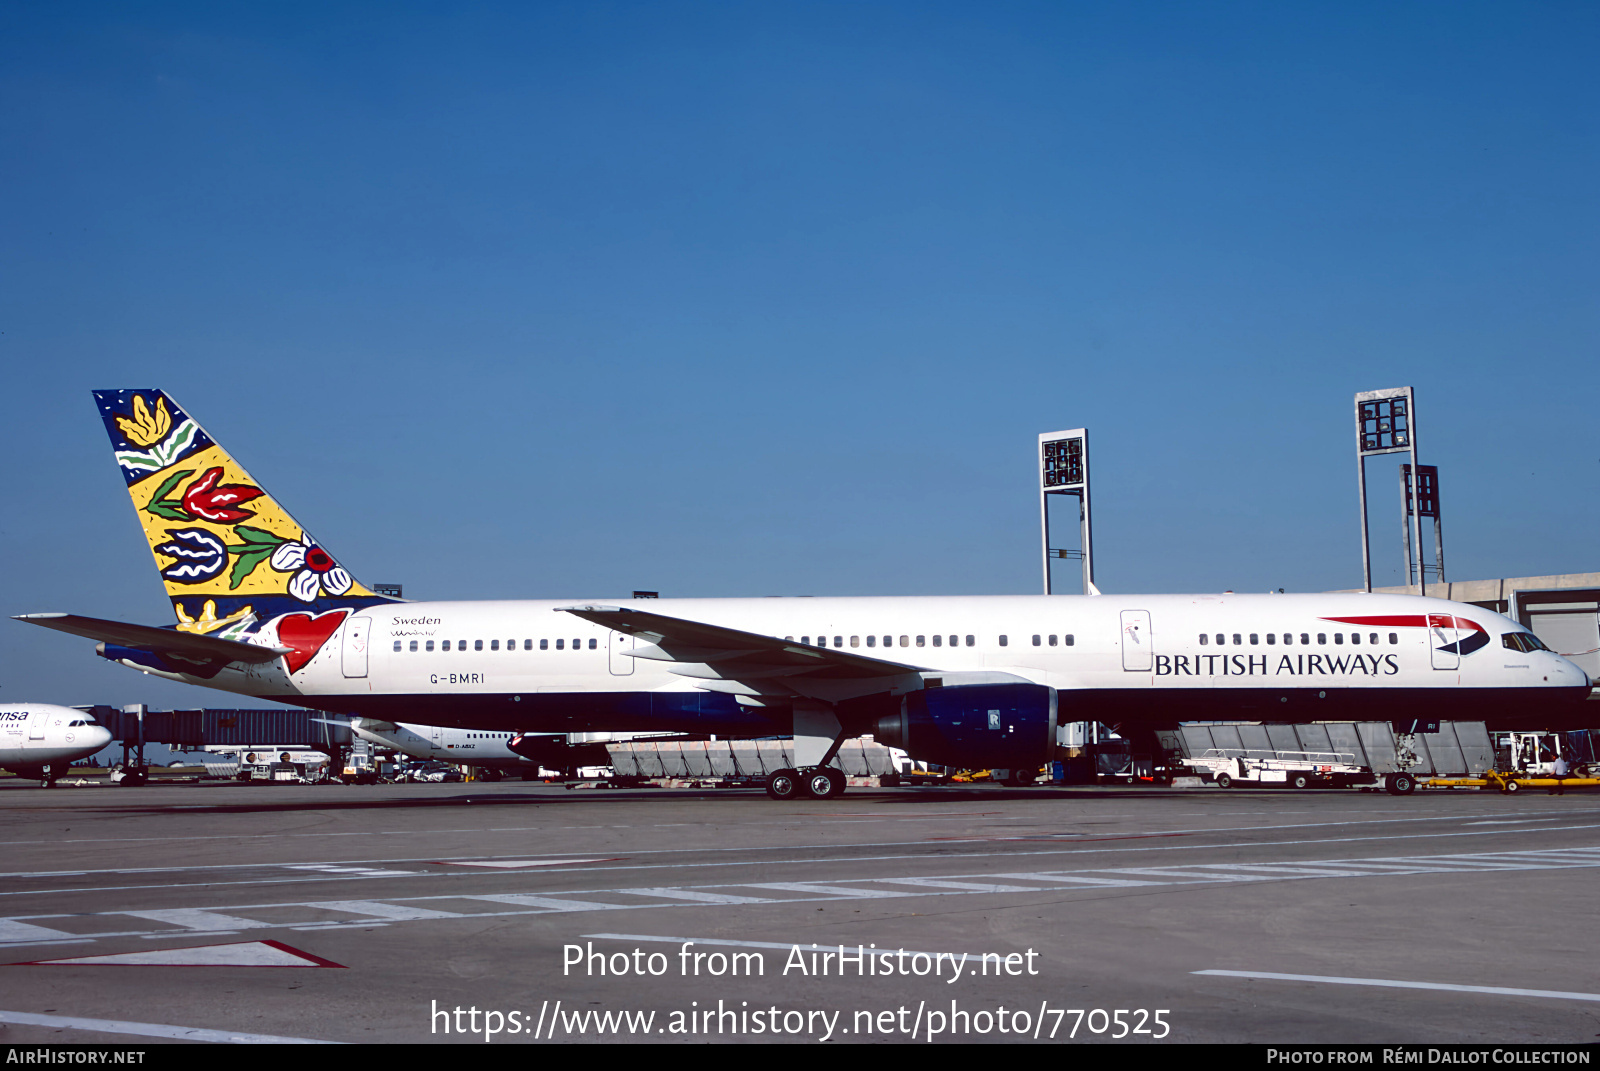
(566, 299)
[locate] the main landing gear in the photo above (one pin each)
(819, 782)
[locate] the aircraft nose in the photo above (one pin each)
(98, 735)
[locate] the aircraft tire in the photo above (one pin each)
(1224, 781)
(784, 785)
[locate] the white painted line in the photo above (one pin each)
(700, 897)
(1493, 990)
(1073, 879)
(14, 932)
(549, 903)
(242, 954)
(964, 886)
(386, 911)
(191, 918)
(518, 864)
(153, 1030)
(1287, 870)
(766, 944)
(824, 890)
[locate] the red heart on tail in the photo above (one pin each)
(307, 634)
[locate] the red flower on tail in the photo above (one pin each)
(209, 502)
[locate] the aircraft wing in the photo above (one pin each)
(712, 652)
(189, 645)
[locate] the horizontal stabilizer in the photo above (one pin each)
(675, 639)
(158, 640)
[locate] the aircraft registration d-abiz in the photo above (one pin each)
(264, 610)
(40, 740)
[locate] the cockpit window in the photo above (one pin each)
(1523, 641)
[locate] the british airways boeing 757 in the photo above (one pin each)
(264, 610)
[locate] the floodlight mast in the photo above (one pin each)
(1386, 423)
(1064, 470)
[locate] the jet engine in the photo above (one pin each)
(978, 725)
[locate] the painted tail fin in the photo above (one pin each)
(228, 553)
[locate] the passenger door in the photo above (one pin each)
(1138, 643)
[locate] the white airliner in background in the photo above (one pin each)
(497, 751)
(39, 740)
(978, 681)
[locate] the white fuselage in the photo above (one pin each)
(34, 735)
(527, 666)
(463, 746)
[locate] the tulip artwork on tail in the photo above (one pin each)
(235, 564)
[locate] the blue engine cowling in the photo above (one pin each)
(976, 726)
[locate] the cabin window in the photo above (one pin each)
(1052, 639)
(527, 645)
(1355, 637)
(922, 641)
(872, 641)
(938, 640)
(1002, 641)
(544, 645)
(1203, 639)
(1338, 638)
(1255, 640)
(1067, 639)
(1037, 640)
(397, 645)
(1272, 638)
(838, 641)
(855, 641)
(806, 640)
(972, 641)
(494, 645)
(1237, 639)
(561, 645)
(414, 645)
(477, 645)
(594, 645)
(1373, 638)
(888, 641)
(1322, 639)
(1288, 638)
(905, 641)
(1394, 637)
(1305, 638)
(444, 645)
(430, 645)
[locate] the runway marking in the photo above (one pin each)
(966, 886)
(378, 910)
(13, 932)
(193, 918)
(350, 871)
(701, 897)
(153, 1030)
(837, 892)
(411, 908)
(781, 946)
(240, 954)
(552, 903)
(1493, 990)
(519, 864)
(806, 861)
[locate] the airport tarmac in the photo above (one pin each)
(370, 914)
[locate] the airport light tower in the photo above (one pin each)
(1386, 423)
(1064, 470)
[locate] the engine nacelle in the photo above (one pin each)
(975, 726)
